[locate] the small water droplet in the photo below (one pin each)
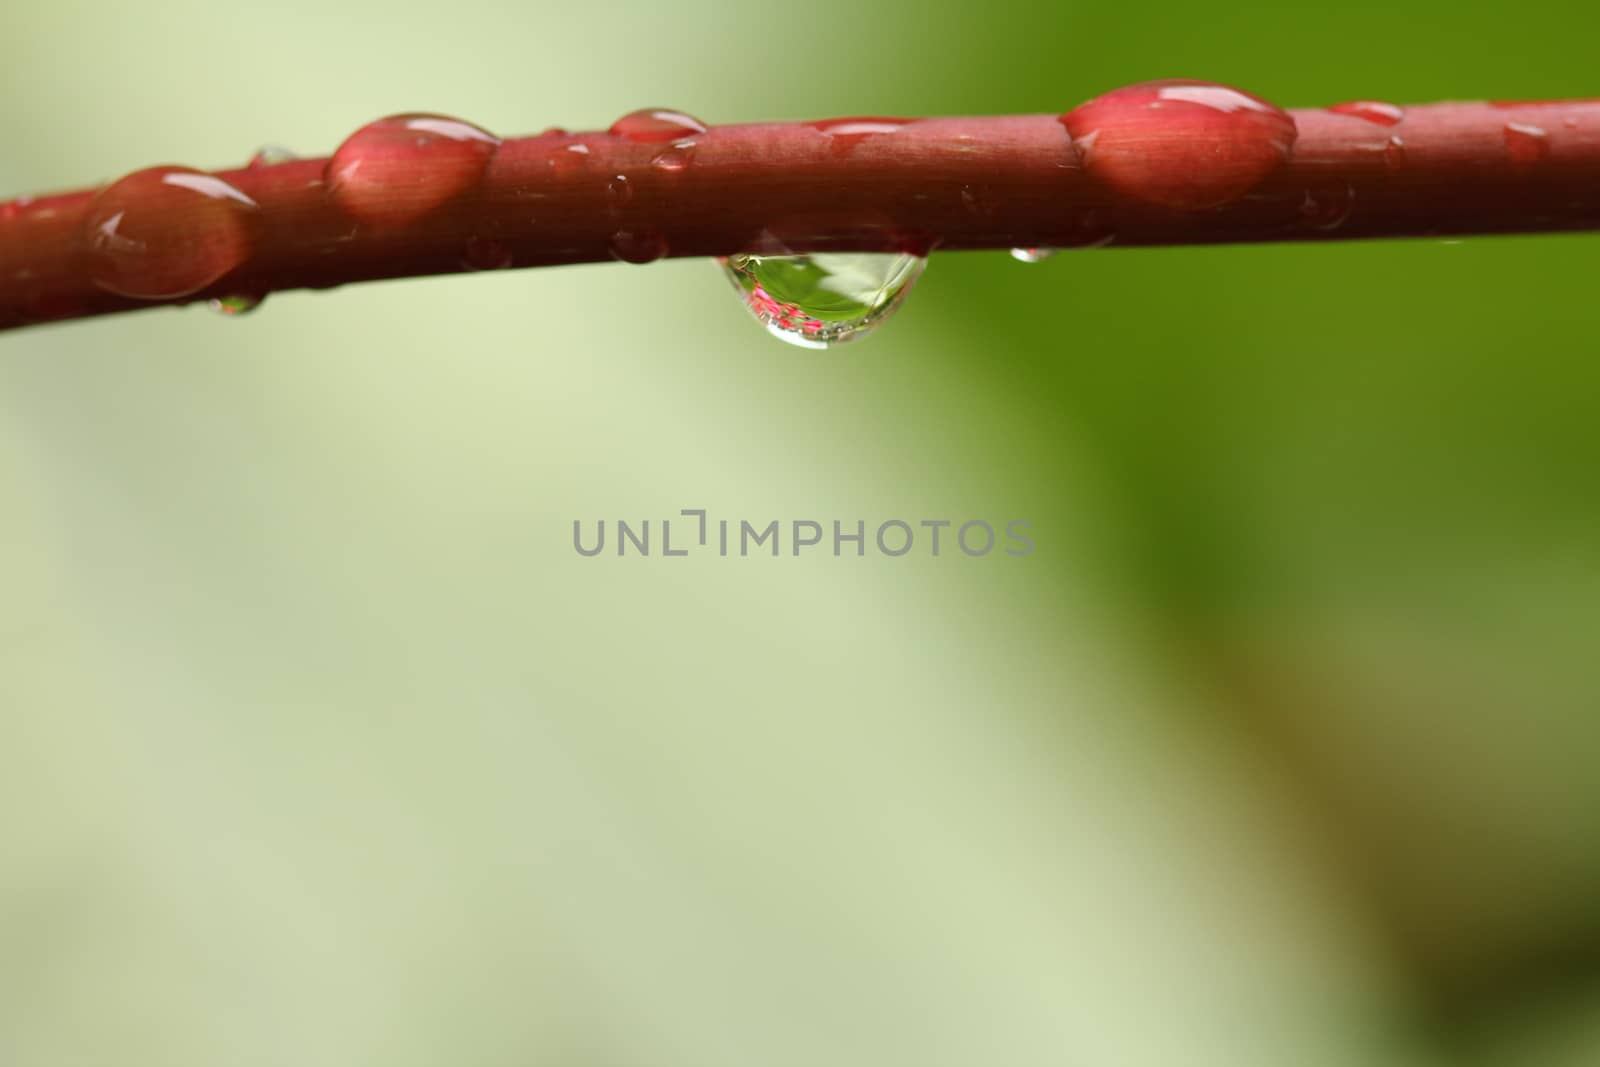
(485, 253)
(1327, 207)
(675, 158)
(237, 304)
(270, 156)
(1186, 145)
(553, 131)
(398, 169)
(1394, 153)
(846, 134)
(644, 244)
(569, 160)
(652, 125)
(166, 232)
(823, 299)
(1374, 111)
(1032, 255)
(619, 191)
(1528, 145)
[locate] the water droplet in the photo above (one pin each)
(846, 134)
(1372, 110)
(485, 253)
(619, 191)
(237, 304)
(645, 244)
(674, 159)
(1394, 153)
(569, 160)
(398, 169)
(1032, 255)
(270, 156)
(823, 299)
(553, 131)
(166, 232)
(1528, 145)
(652, 125)
(1328, 207)
(1181, 144)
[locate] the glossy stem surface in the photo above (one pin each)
(1357, 171)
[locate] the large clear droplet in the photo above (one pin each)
(825, 298)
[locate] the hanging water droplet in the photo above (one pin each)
(1032, 255)
(237, 304)
(1374, 111)
(1528, 145)
(271, 155)
(644, 244)
(652, 125)
(485, 253)
(1181, 144)
(166, 232)
(398, 169)
(824, 298)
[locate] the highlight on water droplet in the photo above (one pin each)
(619, 192)
(1186, 145)
(1374, 111)
(1528, 145)
(398, 169)
(165, 232)
(824, 298)
(1032, 255)
(654, 125)
(237, 304)
(270, 155)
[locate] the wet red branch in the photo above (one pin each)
(1145, 166)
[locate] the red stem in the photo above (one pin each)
(951, 183)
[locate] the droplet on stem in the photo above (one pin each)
(1186, 145)
(165, 232)
(270, 155)
(1528, 145)
(823, 299)
(643, 244)
(398, 169)
(656, 125)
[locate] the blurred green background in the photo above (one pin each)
(320, 745)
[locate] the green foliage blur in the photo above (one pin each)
(320, 745)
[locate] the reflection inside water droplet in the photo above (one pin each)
(237, 304)
(825, 298)
(1032, 255)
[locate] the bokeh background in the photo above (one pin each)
(319, 744)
